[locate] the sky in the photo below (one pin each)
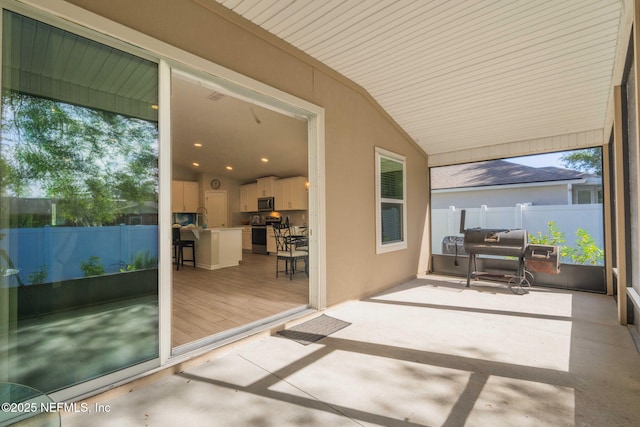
(540, 160)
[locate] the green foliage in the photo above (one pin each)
(587, 251)
(587, 160)
(553, 237)
(142, 261)
(93, 163)
(7, 173)
(39, 276)
(92, 267)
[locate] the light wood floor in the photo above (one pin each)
(209, 302)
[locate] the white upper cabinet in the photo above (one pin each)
(185, 196)
(291, 194)
(249, 198)
(266, 186)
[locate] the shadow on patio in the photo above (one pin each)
(428, 352)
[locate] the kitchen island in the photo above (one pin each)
(215, 247)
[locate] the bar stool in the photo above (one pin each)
(178, 248)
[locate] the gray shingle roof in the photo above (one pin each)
(497, 172)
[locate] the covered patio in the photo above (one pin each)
(427, 352)
(436, 84)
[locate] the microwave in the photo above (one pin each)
(265, 204)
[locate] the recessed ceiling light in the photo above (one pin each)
(154, 106)
(264, 160)
(197, 144)
(195, 164)
(229, 168)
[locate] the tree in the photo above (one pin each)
(587, 160)
(91, 162)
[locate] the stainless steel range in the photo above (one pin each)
(259, 233)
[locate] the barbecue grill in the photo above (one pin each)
(542, 259)
(453, 245)
(500, 242)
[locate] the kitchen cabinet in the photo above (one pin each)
(185, 196)
(271, 241)
(216, 247)
(249, 198)
(266, 186)
(246, 238)
(292, 194)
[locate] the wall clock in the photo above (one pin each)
(215, 184)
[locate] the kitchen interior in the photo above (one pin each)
(237, 168)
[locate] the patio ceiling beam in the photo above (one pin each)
(570, 141)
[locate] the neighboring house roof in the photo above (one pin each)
(498, 172)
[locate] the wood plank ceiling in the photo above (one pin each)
(460, 75)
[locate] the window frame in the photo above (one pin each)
(382, 247)
(584, 191)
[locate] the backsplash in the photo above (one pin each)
(184, 218)
(295, 217)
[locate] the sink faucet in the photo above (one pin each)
(203, 212)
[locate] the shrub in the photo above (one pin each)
(553, 236)
(587, 251)
(142, 261)
(39, 276)
(92, 267)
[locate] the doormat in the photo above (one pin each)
(314, 329)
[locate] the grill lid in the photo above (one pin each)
(489, 241)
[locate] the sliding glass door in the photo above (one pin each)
(78, 208)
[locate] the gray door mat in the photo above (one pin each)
(314, 329)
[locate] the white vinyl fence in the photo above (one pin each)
(534, 219)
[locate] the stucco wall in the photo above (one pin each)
(354, 126)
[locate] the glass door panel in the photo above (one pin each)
(79, 207)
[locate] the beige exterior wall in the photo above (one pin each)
(354, 126)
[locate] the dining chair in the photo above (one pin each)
(286, 251)
(178, 248)
(301, 236)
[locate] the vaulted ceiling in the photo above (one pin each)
(459, 75)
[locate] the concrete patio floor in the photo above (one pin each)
(426, 353)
